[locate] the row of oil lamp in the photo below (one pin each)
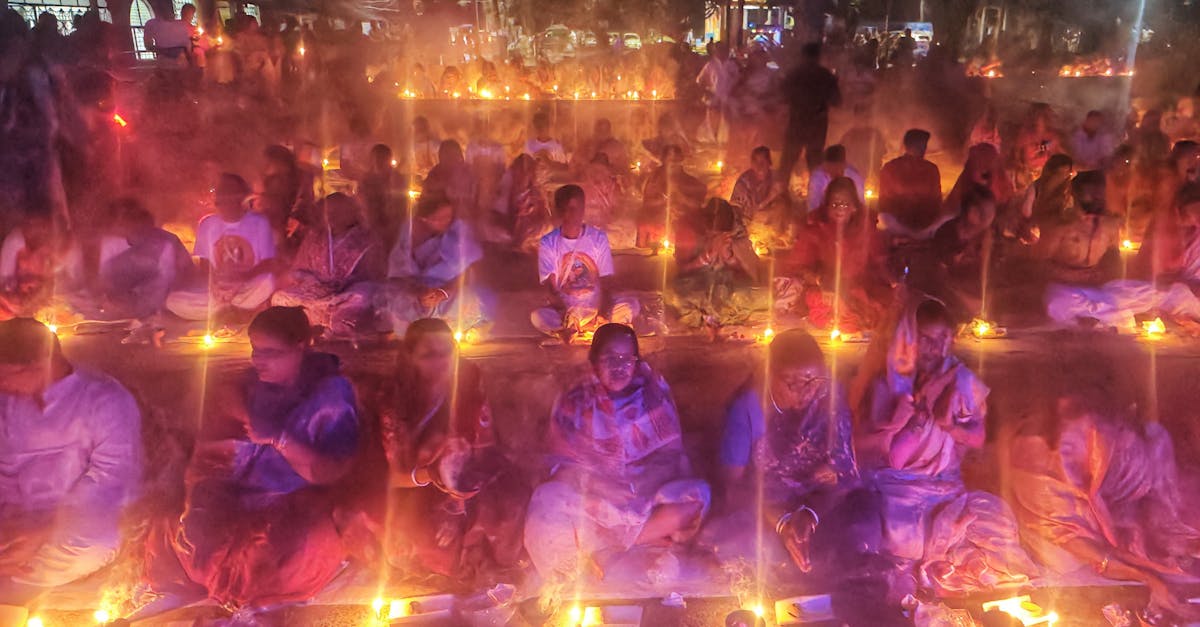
(1020, 608)
(488, 94)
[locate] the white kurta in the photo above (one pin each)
(75, 452)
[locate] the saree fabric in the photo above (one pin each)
(613, 461)
(958, 541)
(254, 532)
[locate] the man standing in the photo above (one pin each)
(718, 78)
(810, 90)
(70, 460)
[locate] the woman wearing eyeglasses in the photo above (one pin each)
(793, 427)
(925, 411)
(621, 489)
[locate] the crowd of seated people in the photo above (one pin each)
(301, 469)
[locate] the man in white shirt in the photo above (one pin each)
(717, 78)
(575, 263)
(168, 38)
(542, 145)
(70, 460)
(1092, 144)
(236, 251)
(833, 166)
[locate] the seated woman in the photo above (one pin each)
(984, 168)
(792, 429)
(952, 268)
(260, 523)
(758, 195)
(603, 188)
(336, 270)
(428, 271)
(459, 502)
(383, 191)
(520, 205)
(453, 179)
(620, 479)
(1097, 490)
(670, 193)
(717, 269)
(834, 274)
(926, 409)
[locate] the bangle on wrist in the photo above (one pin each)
(413, 475)
(782, 522)
(444, 293)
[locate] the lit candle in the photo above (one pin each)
(119, 121)
(209, 340)
(301, 50)
(395, 163)
(1154, 328)
(835, 335)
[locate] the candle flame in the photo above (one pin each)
(220, 40)
(524, 96)
(584, 616)
(1154, 328)
(53, 328)
(991, 73)
(414, 194)
(120, 121)
(199, 30)
(301, 50)
(870, 193)
(209, 340)
(458, 336)
(485, 94)
(35, 621)
(835, 335)
(1024, 610)
(395, 163)
(456, 95)
(982, 328)
(102, 616)
(325, 163)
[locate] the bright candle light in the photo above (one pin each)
(768, 332)
(120, 121)
(209, 340)
(102, 616)
(377, 605)
(835, 335)
(53, 328)
(1154, 328)
(34, 621)
(458, 336)
(301, 50)
(395, 163)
